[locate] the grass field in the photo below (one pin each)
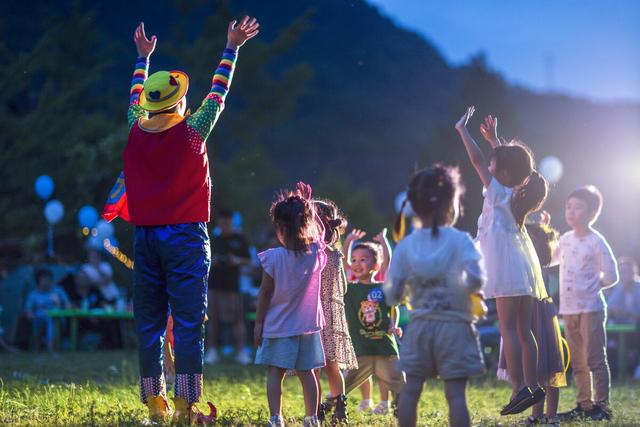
(100, 389)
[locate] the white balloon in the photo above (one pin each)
(551, 168)
(53, 211)
(105, 229)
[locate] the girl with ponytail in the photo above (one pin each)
(437, 268)
(512, 190)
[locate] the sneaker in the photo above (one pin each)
(211, 357)
(382, 408)
(526, 398)
(365, 405)
(311, 421)
(552, 422)
(599, 413)
(533, 421)
(243, 358)
(275, 421)
(574, 414)
(340, 415)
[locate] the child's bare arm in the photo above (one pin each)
(203, 120)
(264, 297)
(355, 234)
(489, 131)
(608, 266)
(145, 48)
(381, 238)
(473, 151)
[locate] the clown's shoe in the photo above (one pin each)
(189, 414)
(159, 409)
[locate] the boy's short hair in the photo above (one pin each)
(373, 248)
(41, 272)
(592, 197)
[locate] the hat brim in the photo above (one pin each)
(154, 106)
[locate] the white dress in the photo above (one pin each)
(510, 260)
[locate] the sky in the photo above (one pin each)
(586, 48)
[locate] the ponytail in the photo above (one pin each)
(529, 197)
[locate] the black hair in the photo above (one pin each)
(374, 248)
(592, 197)
(42, 272)
(528, 197)
(434, 193)
(332, 220)
(514, 163)
(544, 238)
(293, 216)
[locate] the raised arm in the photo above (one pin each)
(145, 48)
(203, 120)
(473, 151)
(381, 238)
(489, 131)
(347, 245)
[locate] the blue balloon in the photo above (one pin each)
(88, 216)
(44, 186)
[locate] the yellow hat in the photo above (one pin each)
(163, 90)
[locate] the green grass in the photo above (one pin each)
(101, 389)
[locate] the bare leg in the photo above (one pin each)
(538, 409)
(365, 389)
(408, 401)
(316, 374)
(212, 323)
(527, 341)
(553, 397)
(310, 391)
(384, 391)
(455, 392)
(275, 376)
(336, 380)
(507, 314)
(240, 334)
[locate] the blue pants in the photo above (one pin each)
(171, 269)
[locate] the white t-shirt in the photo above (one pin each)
(587, 266)
(438, 274)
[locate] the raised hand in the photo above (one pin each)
(144, 46)
(304, 190)
(238, 34)
(489, 130)
(462, 123)
(381, 237)
(356, 234)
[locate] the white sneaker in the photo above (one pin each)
(365, 405)
(243, 358)
(382, 408)
(276, 421)
(211, 357)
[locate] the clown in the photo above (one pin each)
(168, 190)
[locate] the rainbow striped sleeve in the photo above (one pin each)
(203, 120)
(137, 81)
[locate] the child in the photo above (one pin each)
(513, 189)
(45, 297)
(546, 329)
(288, 313)
(371, 324)
(439, 268)
(336, 341)
(587, 266)
(168, 191)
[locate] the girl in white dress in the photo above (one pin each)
(512, 189)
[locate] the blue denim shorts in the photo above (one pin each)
(300, 352)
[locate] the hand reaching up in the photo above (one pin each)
(304, 190)
(356, 234)
(144, 46)
(238, 34)
(462, 123)
(381, 237)
(489, 130)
